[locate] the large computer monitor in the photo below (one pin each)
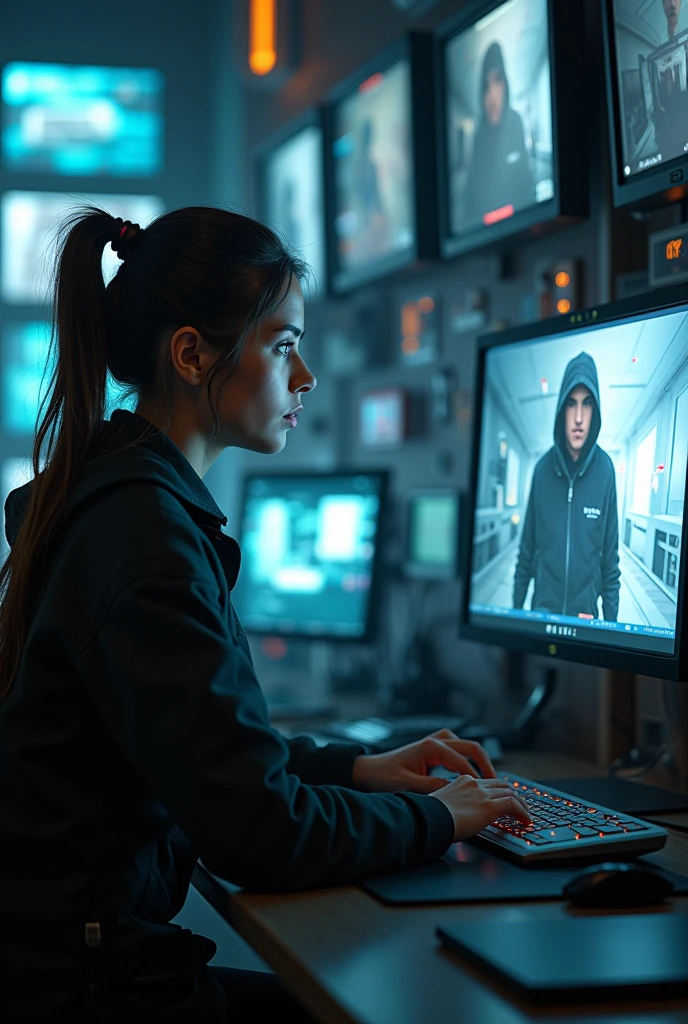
(381, 173)
(432, 534)
(311, 554)
(647, 86)
(291, 193)
(577, 526)
(510, 133)
(82, 120)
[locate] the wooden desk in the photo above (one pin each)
(352, 960)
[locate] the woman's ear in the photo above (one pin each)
(190, 355)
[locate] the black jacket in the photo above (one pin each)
(136, 739)
(499, 174)
(570, 540)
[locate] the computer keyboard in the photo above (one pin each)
(566, 828)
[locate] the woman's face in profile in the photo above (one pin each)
(495, 93)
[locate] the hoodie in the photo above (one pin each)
(135, 739)
(570, 540)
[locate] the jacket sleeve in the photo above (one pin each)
(525, 565)
(182, 701)
(611, 574)
(331, 765)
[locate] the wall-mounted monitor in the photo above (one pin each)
(379, 147)
(311, 554)
(646, 48)
(577, 529)
(432, 534)
(291, 194)
(29, 224)
(82, 120)
(511, 133)
(26, 372)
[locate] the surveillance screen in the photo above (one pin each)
(308, 549)
(578, 522)
(26, 373)
(61, 119)
(373, 169)
(293, 199)
(652, 62)
(498, 123)
(29, 224)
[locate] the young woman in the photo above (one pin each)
(134, 737)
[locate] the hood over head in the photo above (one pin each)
(580, 370)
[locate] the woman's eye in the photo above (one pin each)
(285, 345)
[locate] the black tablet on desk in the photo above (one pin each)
(578, 958)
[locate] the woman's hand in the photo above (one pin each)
(475, 803)
(409, 767)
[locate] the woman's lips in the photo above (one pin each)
(291, 420)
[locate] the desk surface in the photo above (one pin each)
(352, 960)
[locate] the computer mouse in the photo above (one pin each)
(618, 884)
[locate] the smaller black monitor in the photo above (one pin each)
(311, 554)
(379, 146)
(433, 534)
(577, 530)
(291, 194)
(647, 85)
(510, 135)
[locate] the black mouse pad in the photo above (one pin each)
(468, 874)
(624, 796)
(578, 958)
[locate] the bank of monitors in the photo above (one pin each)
(432, 534)
(511, 131)
(381, 173)
(82, 120)
(291, 193)
(30, 221)
(576, 527)
(647, 84)
(311, 554)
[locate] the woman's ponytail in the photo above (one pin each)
(69, 416)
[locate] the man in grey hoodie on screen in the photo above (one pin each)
(570, 540)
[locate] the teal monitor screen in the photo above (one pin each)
(82, 120)
(310, 554)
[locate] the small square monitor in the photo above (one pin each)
(310, 554)
(82, 120)
(29, 224)
(291, 194)
(380, 149)
(433, 534)
(509, 162)
(577, 535)
(647, 80)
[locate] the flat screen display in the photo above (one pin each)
(577, 529)
(308, 554)
(651, 41)
(498, 116)
(29, 224)
(26, 373)
(373, 169)
(82, 120)
(433, 534)
(293, 202)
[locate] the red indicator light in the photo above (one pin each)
(371, 83)
(496, 215)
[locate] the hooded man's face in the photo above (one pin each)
(579, 406)
(672, 9)
(495, 97)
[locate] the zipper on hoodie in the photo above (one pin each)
(568, 545)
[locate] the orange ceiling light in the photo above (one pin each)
(262, 53)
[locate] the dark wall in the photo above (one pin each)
(352, 343)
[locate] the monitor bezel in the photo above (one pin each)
(311, 118)
(623, 659)
(419, 570)
(418, 49)
(373, 609)
(655, 186)
(569, 204)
